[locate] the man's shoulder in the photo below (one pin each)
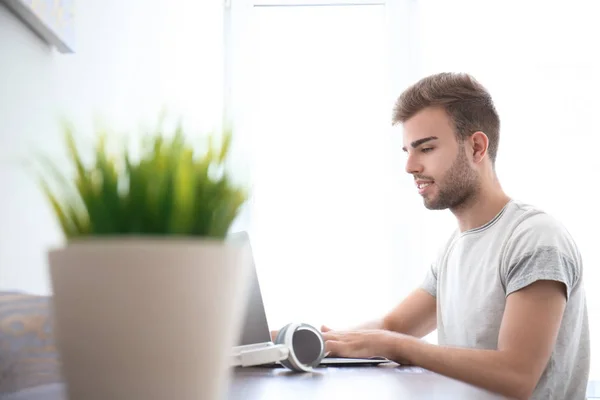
(531, 222)
(533, 230)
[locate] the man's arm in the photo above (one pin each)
(527, 336)
(415, 316)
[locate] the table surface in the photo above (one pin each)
(386, 381)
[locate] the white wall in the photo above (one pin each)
(132, 58)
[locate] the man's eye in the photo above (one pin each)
(427, 149)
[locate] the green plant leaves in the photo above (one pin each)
(171, 190)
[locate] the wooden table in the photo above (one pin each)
(384, 382)
(387, 381)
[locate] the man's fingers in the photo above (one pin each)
(335, 348)
(274, 335)
(330, 335)
(338, 348)
(325, 328)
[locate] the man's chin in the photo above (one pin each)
(432, 207)
(431, 204)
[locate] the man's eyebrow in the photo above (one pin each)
(419, 142)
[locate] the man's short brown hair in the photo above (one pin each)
(466, 101)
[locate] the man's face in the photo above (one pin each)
(437, 161)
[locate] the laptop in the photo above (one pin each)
(255, 331)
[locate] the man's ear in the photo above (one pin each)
(479, 146)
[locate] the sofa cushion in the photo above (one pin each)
(51, 391)
(28, 357)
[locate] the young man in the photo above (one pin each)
(506, 292)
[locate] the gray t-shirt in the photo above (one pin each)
(479, 268)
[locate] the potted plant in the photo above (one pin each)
(148, 290)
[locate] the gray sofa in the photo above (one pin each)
(29, 363)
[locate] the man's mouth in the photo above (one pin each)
(423, 185)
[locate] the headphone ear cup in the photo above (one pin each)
(309, 346)
(305, 344)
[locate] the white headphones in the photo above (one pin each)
(298, 346)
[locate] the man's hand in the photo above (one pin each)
(364, 344)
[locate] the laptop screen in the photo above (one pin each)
(255, 328)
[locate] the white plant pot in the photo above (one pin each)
(142, 319)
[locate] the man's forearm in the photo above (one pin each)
(493, 370)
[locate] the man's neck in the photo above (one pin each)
(480, 210)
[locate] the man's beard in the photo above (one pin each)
(459, 185)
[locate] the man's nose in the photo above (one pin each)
(413, 166)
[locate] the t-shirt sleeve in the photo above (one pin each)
(540, 249)
(430, 282)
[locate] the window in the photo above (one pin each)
(315, 85)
